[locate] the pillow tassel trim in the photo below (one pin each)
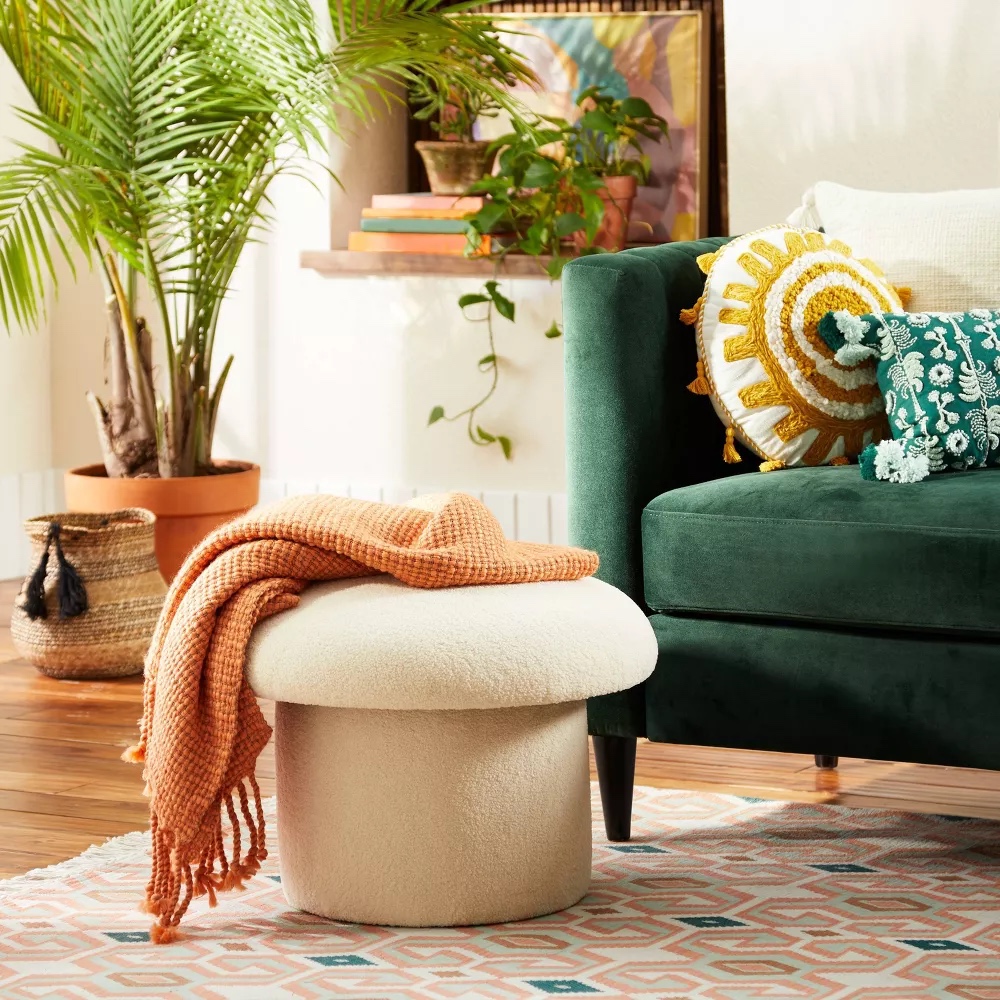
(729, 453)
(772, 466)
(689, 317)
(706, 260)
(895, 462)
(700, 386)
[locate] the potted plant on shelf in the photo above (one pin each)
(608, 139)
(538, 200)
(561, 190)
(452, 107)
(162, 124)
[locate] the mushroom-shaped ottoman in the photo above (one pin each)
(431, 745)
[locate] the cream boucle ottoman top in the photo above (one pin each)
(375, 643)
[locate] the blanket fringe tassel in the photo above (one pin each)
(180, 875)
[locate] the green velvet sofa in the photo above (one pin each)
(805, 610)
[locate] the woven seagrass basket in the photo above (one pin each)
(89, 608)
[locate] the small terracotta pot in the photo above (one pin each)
(187, 508)
(618, 194)
(452, 167)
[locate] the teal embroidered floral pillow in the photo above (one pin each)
(940, 376)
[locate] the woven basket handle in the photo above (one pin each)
(71, 592)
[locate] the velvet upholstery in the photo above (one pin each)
(824, 545)
(760, 649)
(765, 686)
(632, 430)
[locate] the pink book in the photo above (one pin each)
(465, 204)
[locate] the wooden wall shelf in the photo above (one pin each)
(355, 263)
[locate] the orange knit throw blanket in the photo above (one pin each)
(201, 729)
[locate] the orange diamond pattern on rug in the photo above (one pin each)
(716, 898)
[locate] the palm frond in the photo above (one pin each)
(163, 124)
(41, 199)
(382, 43)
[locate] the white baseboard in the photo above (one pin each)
(525, 516)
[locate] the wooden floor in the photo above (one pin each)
(63, 786)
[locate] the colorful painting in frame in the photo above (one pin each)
(662, 57)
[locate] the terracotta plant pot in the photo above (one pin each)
(453, 166)
(187, 508)
(618, 194)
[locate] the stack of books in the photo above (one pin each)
(417, 223)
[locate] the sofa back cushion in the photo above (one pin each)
(944, 245)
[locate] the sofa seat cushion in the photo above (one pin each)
(823, 545)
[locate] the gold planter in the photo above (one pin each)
(452, 167)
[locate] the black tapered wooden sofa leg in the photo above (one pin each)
(826, 761)
(615, 756)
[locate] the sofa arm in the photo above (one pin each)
(633, 430)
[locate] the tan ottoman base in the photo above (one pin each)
(420, 818)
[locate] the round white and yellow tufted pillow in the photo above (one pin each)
(772, 379)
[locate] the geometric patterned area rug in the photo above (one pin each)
(716, 897)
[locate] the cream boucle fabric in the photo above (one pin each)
(945, 245)
(377, 643)
(433, 818)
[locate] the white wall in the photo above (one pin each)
(884, 94)
(337, 384)
(25, 398)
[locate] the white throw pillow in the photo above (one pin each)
(945, 246)
(772, 379)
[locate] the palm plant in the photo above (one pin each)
(163, 124)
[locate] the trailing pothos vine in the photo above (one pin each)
(545, 200)
(495, 302)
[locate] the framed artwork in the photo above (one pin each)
(661, 56)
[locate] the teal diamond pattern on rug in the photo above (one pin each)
(637, 849)
(706, 923)
(844, 869)
(801, 901)
(562, 987)
(936, 944)
(341, 961)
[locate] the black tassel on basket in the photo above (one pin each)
(34, 593)
(70, 591)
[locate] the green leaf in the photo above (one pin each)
(488, 216)
(505, 446)
(488, 360)
(540, 173)
(553, 331)
(571, 222)
(636, 107)
(161, 124)
(554, 268)
(473, 298)
(484, 435)
(436, 414)
(503, 305)
(598, 121)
